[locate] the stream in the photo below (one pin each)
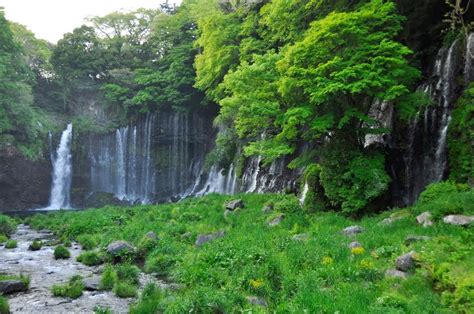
(44, 271)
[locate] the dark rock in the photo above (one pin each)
(458, 220)
(267, 209)
(92, 283)
(414, 238)
(349, 231)
(120, 248)
(204, 238)
(276, 220)
(257, 301)
(354, 244)
(151, 235)
(424, 219)
(234, 205)
(395, 273)
(24, 184)
(406, 262)
(12, 286)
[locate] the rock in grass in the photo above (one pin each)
(267, 209)
(12, 286)
(424, 219)
(354, 244)
(257, 301)
(234, 204)
(151, 235)
(204, 238)
(120, 248)
(414, 238)
(92, 283)
(458, 220)
(300, 237)
(276, 220)
(406, 261)
(352, 230)
(395, 273)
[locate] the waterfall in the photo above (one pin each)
(62, 172)
(304, 193)
(158, 158)
(426, 157)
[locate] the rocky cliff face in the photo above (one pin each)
(24, 184)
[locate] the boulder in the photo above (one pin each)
(458, 220)
(406, 261)
(120, 248)
(267, 209)
(414, 238)
(92, 283)
(12, 286)
(276, 220)
(300, 237)
(424, 219)
(204, 238)
(151, 235)
(352, 230)
(354, 244)
(257, 301)
(395, 273)
(234, 205)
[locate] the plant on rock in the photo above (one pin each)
(60, 252)
(73, 289)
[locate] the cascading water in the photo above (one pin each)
(62, 172)
(159, 158)
(426, 157)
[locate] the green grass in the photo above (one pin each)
(35, 245)
(60, 252)
(4, 307)
(11, 244)
(23, 278)
(319, 274)
(91, 258)
(7, 225)
(73, 289)
(3, 238)
(125, 290)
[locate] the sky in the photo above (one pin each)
(50, 19)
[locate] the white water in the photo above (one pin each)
(62, 172)
(304, 193)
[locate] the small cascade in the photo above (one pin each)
(304, 193)
(426, 157)
(62, 171)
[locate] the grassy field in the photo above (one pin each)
(302, 264)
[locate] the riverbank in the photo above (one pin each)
(265, 254)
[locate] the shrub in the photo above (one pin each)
(87, 242)
(128, 273)
(435, 190)
(91, 258)
(288, 204)
(125, 290)
(108, 278)
(4, 307)
(11, 244)
(7, 225)
(35, 245)
(60, 252)
(3, 238)
(73, 289)
(146, 245)
(150, 300)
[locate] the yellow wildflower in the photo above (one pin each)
(257, 283)
(358, 250)
(366, 264)
(327, 260)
